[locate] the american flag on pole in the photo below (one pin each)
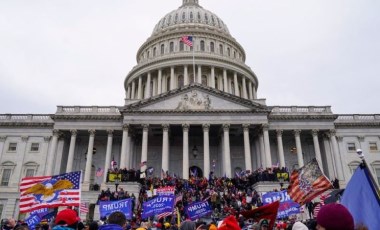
(188, 40)
(319, 206)
(83, 207)
(50, 191)
(307, 183)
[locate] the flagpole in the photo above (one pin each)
(372, 178)
(193, 61)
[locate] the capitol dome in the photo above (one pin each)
(213, 58)
(190, 13)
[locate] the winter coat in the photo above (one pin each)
(110, 227)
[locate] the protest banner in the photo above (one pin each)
(158, 205)
(287, 205)
(108, 207)
(197, 210)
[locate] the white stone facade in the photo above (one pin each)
(168, 111)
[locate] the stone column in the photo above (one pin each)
(185, 160)
(154, 91)
(172, 79)
(297, 133)
(128, 96)
(336, 154)
(70, 158)
(199, 80)
(107, 164)
(185, 75)
(52, 152)
(124, 148)
(133, 90)
(254, 92)
(206, 147)
(159, 82)
(250, 90)
(90, 149)
(317, 150)
(247, 148)
(244, 91)
(147, 88)
(262, 151)
(268, 156)
(212, 77)
(144, 148)
(225, 82)
(236, 84)
(227, 154)
(165, 147)
(139, 89)
(2, 141)
(280, 148)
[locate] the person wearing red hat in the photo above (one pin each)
(229, 223)
(66, 219)
(334, 217)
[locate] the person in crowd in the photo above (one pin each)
(116, 221)
(263, 224)
(66, 219)
(299, 226)
(334, 217)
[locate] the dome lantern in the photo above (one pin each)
(189, 2)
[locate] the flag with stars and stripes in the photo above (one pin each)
(188, 40)
(50, 191)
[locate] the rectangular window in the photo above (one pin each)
(351, 147)
(12, 147)
(5, 177)
(373, 146)
(29, 173)
(35, 147)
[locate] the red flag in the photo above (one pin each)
(307, 183)
(268, 212)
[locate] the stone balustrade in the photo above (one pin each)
(294, 110)
(106, 110)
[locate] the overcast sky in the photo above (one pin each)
(71, 52)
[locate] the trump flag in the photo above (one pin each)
(50, 191)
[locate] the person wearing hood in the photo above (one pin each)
(116, 221)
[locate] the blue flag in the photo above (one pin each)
(108, 207)
(197, 210)
(158, 205)
(362, 200)
(287, 205)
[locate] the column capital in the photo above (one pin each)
(246, 127)
(314, 132)
(92, 132)
(185, 127)
(226, 127)
(47, 138)
(73, 132)
(265, 127)
(125, 127)
(206, 127)
(279, 132)
(165, 127)
(297, 132)
(145, 127)
(361, 138)
(110, 132)
(3, 138)
(332, 132)
(24, 138)
(56, 132)
(339, 138)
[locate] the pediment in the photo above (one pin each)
(196, 98)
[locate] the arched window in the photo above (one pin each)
(191, 17)
(228, 52)
(212, 20)
(176, 18)
(180, 81)
(234, 54)
(163, 23)
(191, 78)
(216, 83)
(169, 19)
(154, 51)
(204, 80)
(168, 83)
(212, 48)
(202, 45)
(148, 54)
(171, 47)
(206, 18)
(6, 170)
(181, 46)
(162, 49)
(183, 17)
(199, 17)
(221, 49)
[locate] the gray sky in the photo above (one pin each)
(70, 52)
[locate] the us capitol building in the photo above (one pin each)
(185, 107)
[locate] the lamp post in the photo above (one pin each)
(361, 156)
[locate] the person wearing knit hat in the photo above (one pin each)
(334, 217)
(229, 223)
(212, 227)
(299, 226)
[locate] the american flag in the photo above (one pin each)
(319, 206)
(50, 191)
(178, 198)
(164, 214)
(188, 40)
(307, 183)
(83, 207)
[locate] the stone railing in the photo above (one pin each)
(294, 110)
(25, 118)
(88, 110)
(358, 118)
